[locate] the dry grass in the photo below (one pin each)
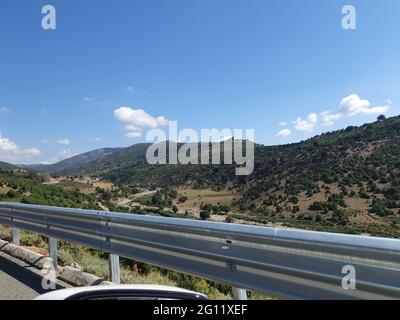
(72, 185)
(358, 204)
(103, 185)
(4, 190)
(196, 197)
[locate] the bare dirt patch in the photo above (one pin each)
(197, 197)
(357, 204)
(73, 184)
(41, 251)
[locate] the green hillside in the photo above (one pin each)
(28, 187)
(6, 166)
(345, 181)
(350, 156)
(76, 162)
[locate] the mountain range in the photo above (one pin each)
(335, 156)
(6, 166)
(75, 162)
(311, 153)
(342, 181)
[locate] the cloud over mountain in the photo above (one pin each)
(137, 120)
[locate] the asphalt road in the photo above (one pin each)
(18, 281)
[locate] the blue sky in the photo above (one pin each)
(204, 63)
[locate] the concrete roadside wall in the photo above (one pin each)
(71, 275)
(34, 259)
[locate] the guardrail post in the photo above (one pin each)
(239, 294)
(53, 251)
(16, 236)
(115, 273)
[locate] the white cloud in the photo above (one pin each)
(131, 89)
(328, 118)
(133, 134)
(67, 153)
(88, 99)
(96, 102)
(353, 104)
(11, 152)
(284, 133)
(282, 124)
(97, 139)
(162, 121)
(306, 124)
(349, 106)
(4, 109)
(64, 141)
(139, 118)
(136, 120)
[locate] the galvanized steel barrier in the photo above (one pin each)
(286, 263)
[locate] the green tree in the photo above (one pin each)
(381, 118)
(204, 215)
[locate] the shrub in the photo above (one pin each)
(205, 215)
(339, 217)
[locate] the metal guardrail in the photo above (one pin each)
(286, 263)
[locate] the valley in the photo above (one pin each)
(343, 181)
